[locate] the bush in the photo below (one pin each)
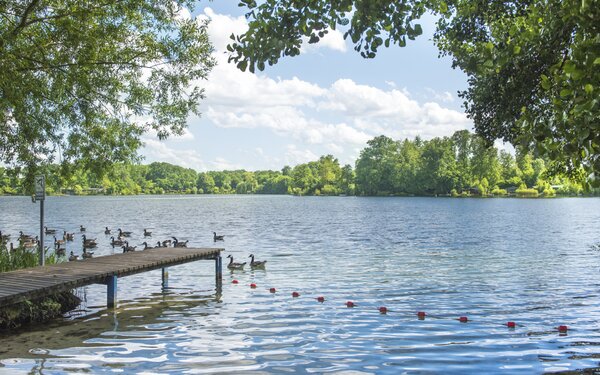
(499, 192)
(524, 192)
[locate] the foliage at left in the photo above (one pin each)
(29, 311)
(82, 80)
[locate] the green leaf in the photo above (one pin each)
(565, 92)
(443, 7)
(242, 65)
(418, 29)
(589, 88)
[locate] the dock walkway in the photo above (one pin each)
(16, 286)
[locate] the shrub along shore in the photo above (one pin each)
(460, 165)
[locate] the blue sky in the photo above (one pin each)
(328, 100)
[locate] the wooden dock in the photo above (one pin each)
(16, 286)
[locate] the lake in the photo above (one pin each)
(535, 262)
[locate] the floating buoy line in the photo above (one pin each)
(421, 315)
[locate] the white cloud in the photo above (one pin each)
(338, 119)
(333, 40)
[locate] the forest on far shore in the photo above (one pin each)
(460, 165)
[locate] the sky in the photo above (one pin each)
(328, 100)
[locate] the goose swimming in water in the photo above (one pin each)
(147, 233)
(235, 266)
(218, 238)
(124, 234)
(117, 242)
(106, 230)
(89, 243)
(49, 231)
(68, 236)
(258, 263)
(81, 228)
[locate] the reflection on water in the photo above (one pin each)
(528, 261)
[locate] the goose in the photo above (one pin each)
(166, 243)
(60, 251)
(24, 237)
(146, 233)
(4, 237)
(146, 247)
(177, 243)
(158, 244)
(49, 231)
(73, 257)
(127, 248)
(85, 254)
(89, 243)
(218, 238)
(117, 242)
(235, 266)
(258, 263)
(81, 228)
(124, 234)
(106, 230)
(68, 236)
(58, 242)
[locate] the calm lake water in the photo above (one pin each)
(535, 262)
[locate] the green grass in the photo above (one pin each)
(20, 258)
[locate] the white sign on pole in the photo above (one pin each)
(40, 188)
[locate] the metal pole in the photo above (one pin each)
(42, 252)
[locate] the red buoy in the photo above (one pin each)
(295, 294)
(235, 282)
(421, 315)
(349, 304)
(383, 310)
(463, 319)
(563, 329)
(253, 286)
(321, 299)
(511, 325)
(272, 290)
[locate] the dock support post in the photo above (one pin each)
(219, 270)
(165, 277)
(111, 291)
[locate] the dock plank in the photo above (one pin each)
(16, 286)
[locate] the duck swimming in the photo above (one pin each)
(235, 266)
(258, 263)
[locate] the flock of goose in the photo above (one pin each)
(121, 240)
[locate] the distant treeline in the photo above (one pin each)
(458, 165)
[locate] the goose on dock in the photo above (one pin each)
(235, 266)
(86, 254)
(106, 230)
(73, 257)
(177, 243)
(257, 263)
(127, 248)
(49, 231)
(146, 247)
(124, 234)
(218, 238)
(147, 233)
(166, 243)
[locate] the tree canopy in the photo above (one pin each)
(533, 66)
(82, 80)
